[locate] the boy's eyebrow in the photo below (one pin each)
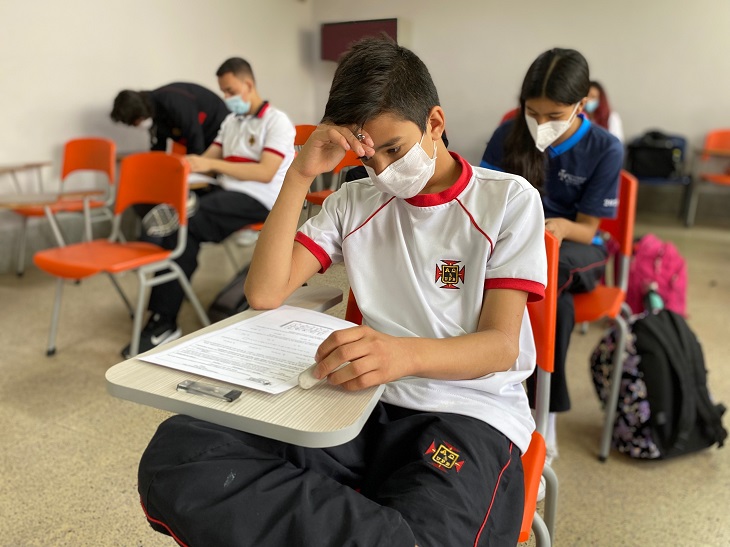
(391, 142)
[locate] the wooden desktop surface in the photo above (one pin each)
(319, 417)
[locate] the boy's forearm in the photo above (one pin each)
(462, 357)
(271, 267)
(253, 171)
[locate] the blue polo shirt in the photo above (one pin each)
(582, 172)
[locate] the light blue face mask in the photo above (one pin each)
(590, 106)
(237, 105)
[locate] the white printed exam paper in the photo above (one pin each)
(266, 352)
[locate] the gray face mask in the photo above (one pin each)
(406, 177)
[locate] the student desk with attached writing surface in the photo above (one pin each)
(319, 417)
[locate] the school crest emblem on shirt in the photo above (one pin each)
(450, 274)
(251, 140)
(445, 457)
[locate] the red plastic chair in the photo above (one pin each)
(151, 177)
(717, 145)
(87, 154)
(543, 319)
(317, 198)
(608, 301)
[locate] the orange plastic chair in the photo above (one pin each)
(543, 319)
(150, 177)
(717, 144)
(303, 132)
(87, 154)
(609, 301)
(317, 198)
(509, 115)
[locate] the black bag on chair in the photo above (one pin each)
(656, 155)
(664, 408)
(230, 300)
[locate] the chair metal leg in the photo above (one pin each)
(231, 255)
(185, 284)
(87, 220)
(612, 402)
(137, 314)
(692, 204)
(551, 499)
(54, 227)
(54, 318)
(121, 293)
(542, 537)
(20, 265)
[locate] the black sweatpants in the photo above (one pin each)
(220, 213)
(410, 477)
(581, 267)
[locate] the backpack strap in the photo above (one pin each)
(710, 414)
(688, 408)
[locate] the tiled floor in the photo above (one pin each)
(69, 452)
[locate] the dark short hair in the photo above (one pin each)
(236, 66)
(130, 106)
(377, 76)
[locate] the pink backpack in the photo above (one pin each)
(657, 261)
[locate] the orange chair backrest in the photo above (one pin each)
(92, 154)
(350, 160)
(303, 133)
(153, 177)
(621, 228)
(352, 313)
(718, 139)
(544, 312)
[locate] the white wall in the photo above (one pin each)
(63, 62)
(664, 63)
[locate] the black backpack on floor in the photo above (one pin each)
(664, 408)
(656, 155)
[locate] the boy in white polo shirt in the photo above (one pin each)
(442, 258)
(250, 156)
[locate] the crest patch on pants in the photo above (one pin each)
(444, 457)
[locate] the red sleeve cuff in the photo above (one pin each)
(535, 291)
(218, 143)
(319, 253)
(280, 154)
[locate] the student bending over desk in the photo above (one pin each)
(442, 258)
(250, 155)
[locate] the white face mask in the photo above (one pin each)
(547, 133)
(146, 124)
(405, 177)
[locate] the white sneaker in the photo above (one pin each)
(244, 238)
(551, 454)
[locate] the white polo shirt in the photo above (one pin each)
(419, 267)
(245, 138)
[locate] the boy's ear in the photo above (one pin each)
(437, 122)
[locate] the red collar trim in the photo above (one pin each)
(262, 110)
(429, 200)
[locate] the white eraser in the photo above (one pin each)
(307, 379)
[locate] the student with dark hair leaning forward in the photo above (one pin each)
(441, 257)
(576, 165)
(186, 113)
(250, 156)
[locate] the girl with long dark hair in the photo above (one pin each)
(598, 109)
(576, 165)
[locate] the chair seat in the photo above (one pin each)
(317, 198)
(82, 260)
(716, 178)
(61, 206)
(532, 464)
(600, 302)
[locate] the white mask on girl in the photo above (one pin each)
(405, 177)
(547, 133)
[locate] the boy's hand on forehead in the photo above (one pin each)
(326, 147)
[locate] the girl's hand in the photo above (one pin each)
(326, 147)
(372, 358)
(559, 227)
